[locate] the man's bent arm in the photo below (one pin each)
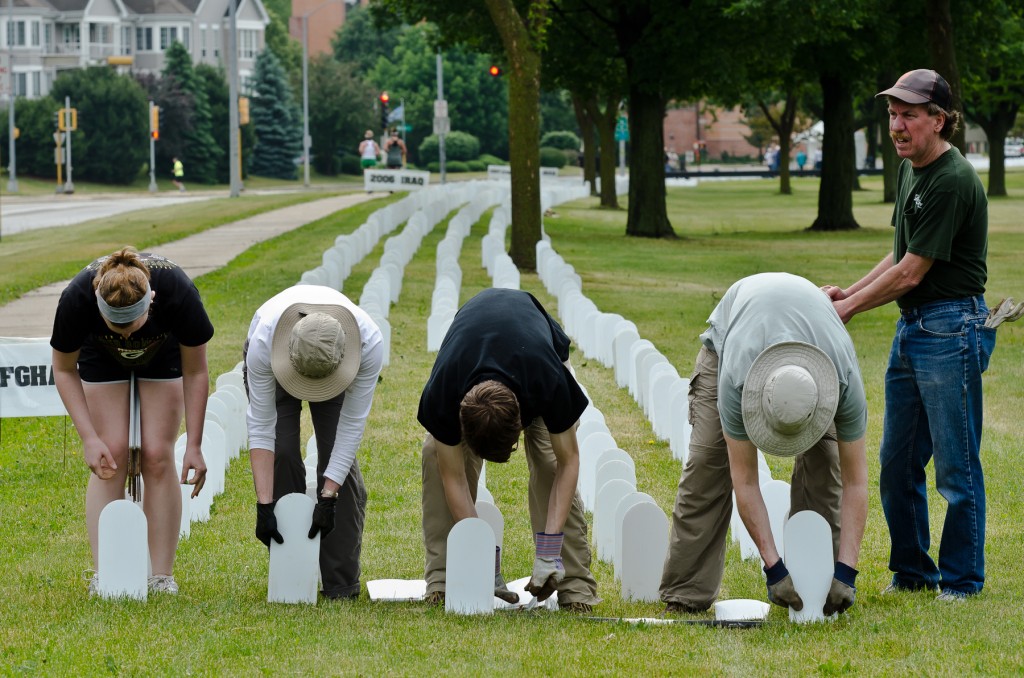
(452, 466)
(853, 515)
(749, 502)
(567, 473)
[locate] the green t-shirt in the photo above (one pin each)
(941, 213)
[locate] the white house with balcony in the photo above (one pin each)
(41, 38)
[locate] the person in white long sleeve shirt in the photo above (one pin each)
(311, 343)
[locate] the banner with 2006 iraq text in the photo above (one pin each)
(26, 379)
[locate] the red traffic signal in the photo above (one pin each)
(495, 71)
(384, 98)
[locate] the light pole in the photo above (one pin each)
(234, 165)
(305, 89)
(12, 175)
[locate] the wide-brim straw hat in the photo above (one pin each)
(790, 396)
(301, 386)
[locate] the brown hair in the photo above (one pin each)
(489, 414)
(122, 278)
(951, 123)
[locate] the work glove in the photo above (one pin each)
(1004, 311)
(842, 592)
(547, 566)
(266, 524)
(780, 587)
(500, 589)
(323, 517)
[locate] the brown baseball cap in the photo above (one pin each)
(920, 87)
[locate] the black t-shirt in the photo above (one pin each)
(507, 336)
(175, 316)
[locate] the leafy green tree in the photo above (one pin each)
(556, 112)
(279, 41)
(457, 146)
(275, 120)
(176, 106)
(213, 81)
(112, 144)
(361, 42)
(340, 110)
(35, 145)
(477, 102)
(201, 153)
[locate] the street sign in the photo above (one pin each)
(406, 128)
(442, 126)
(440, 108)
(58, 138)
(622, 129)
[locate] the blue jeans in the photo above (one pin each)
(933, 408)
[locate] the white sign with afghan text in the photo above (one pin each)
(27, 388)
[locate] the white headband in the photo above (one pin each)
(123, 315)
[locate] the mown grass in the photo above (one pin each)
(220, 623)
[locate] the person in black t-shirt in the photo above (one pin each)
(135, 313)
(502, 370)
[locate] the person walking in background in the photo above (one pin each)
(933, 387)
(179, 174)
(394, 151)
(801, 159)
(135, 313)
(369, 152)
(312, 343)
(777, 371)
(503, 370)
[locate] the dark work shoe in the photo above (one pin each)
(576, 607)
(682, 608)
(893, 587)
(435, 598)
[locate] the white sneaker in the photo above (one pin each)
(951, 597)
(163, 583)
(94, 582)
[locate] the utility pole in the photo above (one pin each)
(12, 166)
(234, 163)
(69, 186)
(441, 120)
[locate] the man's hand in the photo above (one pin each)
(500, 589)
(266, 524)
(547, 566)
(842, 593)
(780, 587)
(323, 517)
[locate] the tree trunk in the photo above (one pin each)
(835, 195)
(996, 126)
(606, 132)
(943, 54)
(588, 136)
(648, 216)
(523, 128)
(784, 129)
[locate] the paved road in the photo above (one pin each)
(23, 214)
(32, 314)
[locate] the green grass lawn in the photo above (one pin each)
(221, 624)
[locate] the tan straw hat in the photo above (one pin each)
(315, 353)
(790, 398)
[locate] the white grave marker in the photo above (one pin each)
(123, 551)
(644, 546)
(294, 565)
(809, 561)
(470, 578)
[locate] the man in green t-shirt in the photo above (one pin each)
(933, 394)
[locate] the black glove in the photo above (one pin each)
(842, 593)
(323, 517)
(500, 589)
(266, 524)
(780, 587)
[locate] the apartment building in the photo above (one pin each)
(41, 38)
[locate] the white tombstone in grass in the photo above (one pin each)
(185, 526)
(311, 452)
(648, 363)
(622, 343)
(590, 426)
(217, 412)
(491, 514)
(437, 327)
(679, 441)
(232, 377)
(294, 565)
(590, 414)
(663, 377)
(590, 449)
(215, 455)
(602, 475)
(618, 522)
(809, 561)
(606, 328)
(470, 575)
(644, 547)
(748, 549)
(736, 525)
(385, 332)
(776, 495)
(199, 506)
(123, 557)
(608, 498)
(483, 494)
(397, 590)
(637, 352)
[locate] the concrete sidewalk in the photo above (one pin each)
(32, 314)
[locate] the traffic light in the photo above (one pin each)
(495, 71)
(154, 122)
(243, 110)
(67, 119)
(384, 99)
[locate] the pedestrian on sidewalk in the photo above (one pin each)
(179, 174)
(135, 313)
(394, 151)
(312, 343)
(369, 151)
(503, 370)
